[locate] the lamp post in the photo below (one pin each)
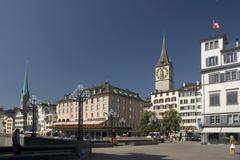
(33, 104)
(111, 114)
(122, 122)
(80, 94)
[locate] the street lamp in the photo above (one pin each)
(122, 122)
(111, 114)
(33, 102)
(80, 94)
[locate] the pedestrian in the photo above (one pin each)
(232, 145)
(16, 142)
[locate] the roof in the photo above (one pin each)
(230, 49)
(164, 59)
(218, 36)
(107, 88)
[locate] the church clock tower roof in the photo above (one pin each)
(164, 59)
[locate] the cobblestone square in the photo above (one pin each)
(167, 151)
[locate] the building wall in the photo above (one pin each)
(9, 124)
(218, 81)
(163, 101)
(190, 108)
(19, 121)
(98, 105)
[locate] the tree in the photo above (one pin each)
(171, 121)
(149, 122)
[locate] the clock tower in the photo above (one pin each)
(164, 71)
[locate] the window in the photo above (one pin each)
(235, 118)
(181, 101)
(222, 77)
(211, 45)
(199, 100)
(212, 61)
(228, 77)
(160, 100)
(206, 46)
(217, 119)
(214, 99)
(167, 100)
(215, 44)
(230, 119)
(91, 100)
(230, 57)
(155, 101)
(234, 75)
(192, 100)
(212, 119)
(185, 101)
(173, 99)
(232, 97)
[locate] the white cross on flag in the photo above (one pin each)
(215, 24)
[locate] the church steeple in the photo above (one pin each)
(25, 93)
(164, 59)
(164, 76)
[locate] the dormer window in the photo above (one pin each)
(211, 45)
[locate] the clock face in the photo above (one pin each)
(162, 73)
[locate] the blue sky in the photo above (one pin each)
(87, 42)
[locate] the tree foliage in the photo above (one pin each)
(149, 122)
(171, 121)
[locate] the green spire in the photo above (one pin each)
(25, 91)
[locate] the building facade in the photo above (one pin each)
(190, 106)
(126, 105)
(220, 74)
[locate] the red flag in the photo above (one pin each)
(215, 25)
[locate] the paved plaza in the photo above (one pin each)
(166, 151)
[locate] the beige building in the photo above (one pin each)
(126, 106)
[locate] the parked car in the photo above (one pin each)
(193, 137)
(156, 136)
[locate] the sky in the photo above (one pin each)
(65, 43)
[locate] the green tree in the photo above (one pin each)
(171, 121)
(149, 122)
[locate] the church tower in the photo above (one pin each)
(25, 94)
(164, 78)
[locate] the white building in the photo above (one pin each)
(20, 121)
(190, 106)
(46, 114)
(8, 124)
(220, 74)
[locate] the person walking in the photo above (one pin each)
(232, 147)
(16, 142)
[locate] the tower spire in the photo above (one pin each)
(164, 59)
(25, 93)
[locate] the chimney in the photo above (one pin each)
(237, 42)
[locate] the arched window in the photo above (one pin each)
(59, 120)
(63, 120)
(167, 100)
(67, 120)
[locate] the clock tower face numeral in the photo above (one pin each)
(162, 73)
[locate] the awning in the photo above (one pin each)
(230, 130)
(211, 130)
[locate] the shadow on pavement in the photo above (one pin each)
(130, 156)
